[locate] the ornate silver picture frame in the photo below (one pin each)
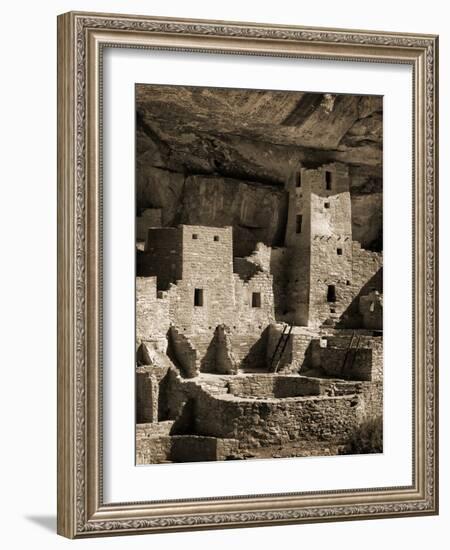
(82, 508)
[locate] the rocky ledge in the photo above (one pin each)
(221, 156)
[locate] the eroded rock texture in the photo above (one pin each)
(217, 157)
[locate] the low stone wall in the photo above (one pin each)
(334, 356)
(184, 448)
(153, 450)
(195, 448)
(153, 429)
(331, 413)
(256, 423)
(372, 400)
(269, 385)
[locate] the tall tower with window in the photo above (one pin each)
(319, 239)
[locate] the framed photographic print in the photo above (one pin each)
(247, 274)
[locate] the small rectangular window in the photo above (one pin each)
(194, 236)
(327, 205)
(216, 237)
(298, 223)
(298, 179)
(328, 180)
(256, 299)
(339, 251)
(331, 294)
(198, 297)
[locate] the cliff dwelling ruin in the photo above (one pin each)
(259, 291)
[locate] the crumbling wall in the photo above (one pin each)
(225, 361)
(254, 306)
(245, 268)
(152, 313)
(185, 355)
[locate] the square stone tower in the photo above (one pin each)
(319, 240)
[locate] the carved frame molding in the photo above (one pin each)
(81, 38)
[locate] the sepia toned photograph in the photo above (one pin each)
(259, 274)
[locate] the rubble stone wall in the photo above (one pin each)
(275, 422)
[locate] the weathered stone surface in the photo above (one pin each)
(215, 146)
(367, 220)
(259, 225)
(256, 213)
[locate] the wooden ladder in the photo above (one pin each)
(279, 349)
(350, 355)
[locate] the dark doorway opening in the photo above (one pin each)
(331, 294)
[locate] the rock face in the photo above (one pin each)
(211, 156)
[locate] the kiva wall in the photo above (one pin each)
(276, 422)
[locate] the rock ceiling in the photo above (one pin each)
(250, 137)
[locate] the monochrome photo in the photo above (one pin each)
(259, 274)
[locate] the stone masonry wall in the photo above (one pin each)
(332, 414)
(207, 265)
(371, 310)
(318, 236)
(146, 398)
(250, 349)
(152, 313)
(367, 274)
(279, 258)
(329, 268)
(268, 385)
(184, 448)
(295, 355)
(248, 317)
(276, 422)
(333, 356)
(148, 380)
